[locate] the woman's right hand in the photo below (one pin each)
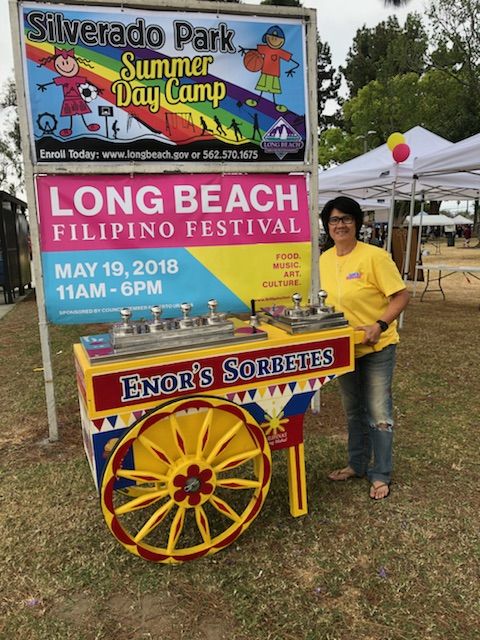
(371, 334)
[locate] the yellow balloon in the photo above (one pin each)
(394, 139)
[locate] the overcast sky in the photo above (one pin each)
(338, 21)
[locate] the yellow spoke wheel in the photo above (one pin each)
(186, 480)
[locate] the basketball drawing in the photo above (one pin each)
(253, 60)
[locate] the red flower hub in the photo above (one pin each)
(192, 484)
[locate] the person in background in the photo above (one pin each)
(467, 234)
(363, 281)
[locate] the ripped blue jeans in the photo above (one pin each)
(367, 402)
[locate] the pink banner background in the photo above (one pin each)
(121, 212)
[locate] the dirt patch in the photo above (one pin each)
(190, 613)
(27, 446)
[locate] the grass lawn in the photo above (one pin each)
(407, 568)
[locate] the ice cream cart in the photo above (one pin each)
(183, 171)
(180, 415)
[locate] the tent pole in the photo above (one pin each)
(408, 250)
(390, 218)
(419, 243)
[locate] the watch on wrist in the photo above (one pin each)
(383, 325)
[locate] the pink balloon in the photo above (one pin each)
(401, 152)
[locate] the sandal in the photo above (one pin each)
(342, 474)
(374, 488)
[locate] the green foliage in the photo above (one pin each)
(336, 146)
(378, 108)
(442, 105)
(328, 84)
(456, 37)
(432, 100)
(384, 107)
(8, 94)
(11, 164)
(395, 84)
(385, 51)
(457, 32)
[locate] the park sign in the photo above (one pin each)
(122, 85)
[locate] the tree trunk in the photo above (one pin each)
(476, 221)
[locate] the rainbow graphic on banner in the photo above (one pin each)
(105, 85)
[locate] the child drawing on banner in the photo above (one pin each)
(77, 91)
(267, 58)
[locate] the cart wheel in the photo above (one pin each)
(186, 479)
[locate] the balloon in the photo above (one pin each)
(394, 139)
(401, 152)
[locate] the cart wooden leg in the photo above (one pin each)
(297, 485)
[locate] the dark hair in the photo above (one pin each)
(347, 206)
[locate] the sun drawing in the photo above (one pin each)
(274, 423)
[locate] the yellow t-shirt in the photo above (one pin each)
(360, 284)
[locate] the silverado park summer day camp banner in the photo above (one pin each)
(105, 84)
(112, 241)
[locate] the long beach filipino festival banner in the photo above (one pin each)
(105, 84)
(113, 241)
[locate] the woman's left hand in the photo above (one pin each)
(372, 334)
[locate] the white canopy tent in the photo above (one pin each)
(436, 220)
(367, 204)
(382, 215)
(463, 156)
(459, 219)
(421, 220)
(372, 174)
(425, 220)
(375, 174)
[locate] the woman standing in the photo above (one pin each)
(363, 281)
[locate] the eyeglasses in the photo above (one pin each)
(337, 220)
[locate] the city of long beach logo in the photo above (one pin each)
(281, 139)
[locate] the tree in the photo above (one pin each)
(336, 146)
(11, 163)
(384, 51)
(384, 107)
(442, 106)
(395, 3)
(456, 37)
(328, 84)
(376, 111)
(402, 102)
